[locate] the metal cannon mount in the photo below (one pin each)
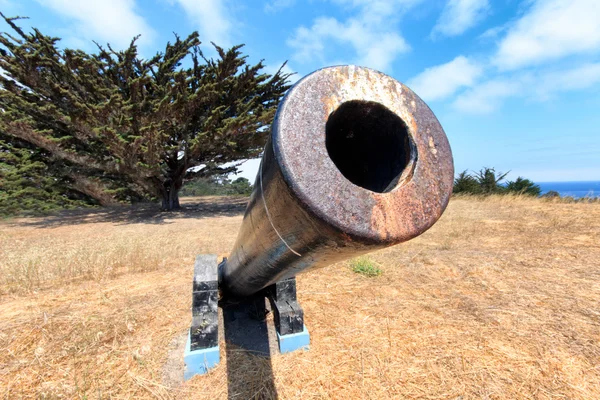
(355, 162)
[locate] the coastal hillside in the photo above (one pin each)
(498, 300)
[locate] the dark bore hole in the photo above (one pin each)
(369, 144)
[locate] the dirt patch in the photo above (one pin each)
(174, 366)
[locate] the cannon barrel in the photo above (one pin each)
(355, 162)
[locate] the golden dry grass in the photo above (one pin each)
(500, 299)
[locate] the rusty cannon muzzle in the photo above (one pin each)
(355, 162)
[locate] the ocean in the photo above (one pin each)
(573, 189)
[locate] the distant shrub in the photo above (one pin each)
(487, 181)
(552, 194)
(217, 187)
(524, 186)
(465, 183)
(364, 266)
(490, 181)
(241, 186)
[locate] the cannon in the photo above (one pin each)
(355, 162)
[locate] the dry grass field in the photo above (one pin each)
(499, 300)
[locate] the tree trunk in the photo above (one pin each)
(171, 187)
(170, 198)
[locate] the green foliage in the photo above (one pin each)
(28, 184)
(487, 181)
(241, 186)
(217, 186)
(203, 187)
(122, 127)
(524, 186)
(364, 266)
(465, 183)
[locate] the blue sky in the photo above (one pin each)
(515, 84)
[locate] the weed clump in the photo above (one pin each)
(366, 267)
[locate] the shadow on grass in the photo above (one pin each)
(143, 213)
(249, 343)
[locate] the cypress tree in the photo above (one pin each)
(121, 126)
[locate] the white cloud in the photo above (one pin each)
(492, 33)
(113, 21)
(372, 32)
(274, 6)
(551, 30)
(459, 16)
(578, 78)
(213, 20)
(375, 11)
(526, 55)
(444, 80)
(309, 43)
(489, 96)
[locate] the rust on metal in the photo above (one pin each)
(355, 162)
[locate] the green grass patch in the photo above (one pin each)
(366, 267)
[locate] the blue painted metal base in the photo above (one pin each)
(198, 362)
(294, 341)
